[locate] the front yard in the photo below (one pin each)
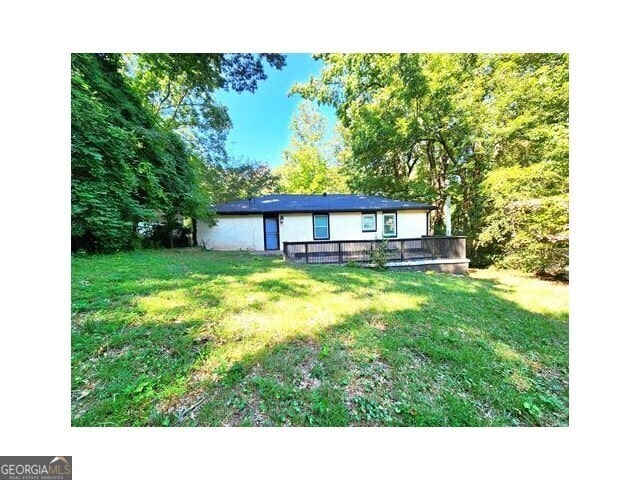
(188, 337)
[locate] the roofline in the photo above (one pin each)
(342, 210)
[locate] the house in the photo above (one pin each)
(266, 223)
(334, 228)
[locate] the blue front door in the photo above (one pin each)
(271, 240)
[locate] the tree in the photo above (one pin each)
(405, 131)
(527, 224)
(525, 214)
(309, 162)
(425, 126)
(144, 134)
(126, 166)
(239, 179)
(181, 89)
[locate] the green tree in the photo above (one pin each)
(239, 179)
(425, 126)
(407, 134)
(181, 89)
(145, 134)
(527, 222)
(525, 214)
(126, 166)
(310, 159)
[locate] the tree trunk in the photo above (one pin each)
(194, 232)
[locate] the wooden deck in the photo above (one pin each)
(432, 250)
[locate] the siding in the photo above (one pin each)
(298, 227)
(233, 232)
(411, 223)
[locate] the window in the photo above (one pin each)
(321, 226)
(389, 225)
(369, 222)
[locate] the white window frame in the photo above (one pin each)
(393, 215)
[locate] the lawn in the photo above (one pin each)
(188, 337)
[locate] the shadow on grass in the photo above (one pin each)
(105, 281)
(464, 356)
(405, 368)
(130, 367)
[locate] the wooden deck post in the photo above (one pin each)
(340, 252)
(306, 252)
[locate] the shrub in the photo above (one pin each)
(528, 225)
(157, 236)
(380, 255)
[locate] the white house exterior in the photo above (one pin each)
(265, 223)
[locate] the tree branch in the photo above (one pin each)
(443, 142)
(411, 162)
(164, 98)
(175, 112)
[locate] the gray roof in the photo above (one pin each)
(315, 203)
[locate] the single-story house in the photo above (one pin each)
(267, 222)
(335, 229)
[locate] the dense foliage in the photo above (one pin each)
(427, 126)
(126, 166)
(239, 178)
(147, 140)
(181, 89)
(527, 219)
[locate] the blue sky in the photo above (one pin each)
(261, 120)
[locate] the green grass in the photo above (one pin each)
(188, 337)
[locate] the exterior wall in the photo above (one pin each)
(233, 232)
(348, 226)
(459, 268)
(411, 223)
(298, 227)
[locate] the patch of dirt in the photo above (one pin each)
(419, 359)
(307, 381)
(204, 340)
(437, 385)
(553, 375)
(250, 412)
(379, 325)
(116, 352)
(79, 405)
(186, 406)
(485, 410)
(366, 380)
(354, 389)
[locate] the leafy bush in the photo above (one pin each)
(159, 235)
(527, 228)
(380, 254)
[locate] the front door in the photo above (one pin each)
(271, 234)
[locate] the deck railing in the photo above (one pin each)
(361, 251)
